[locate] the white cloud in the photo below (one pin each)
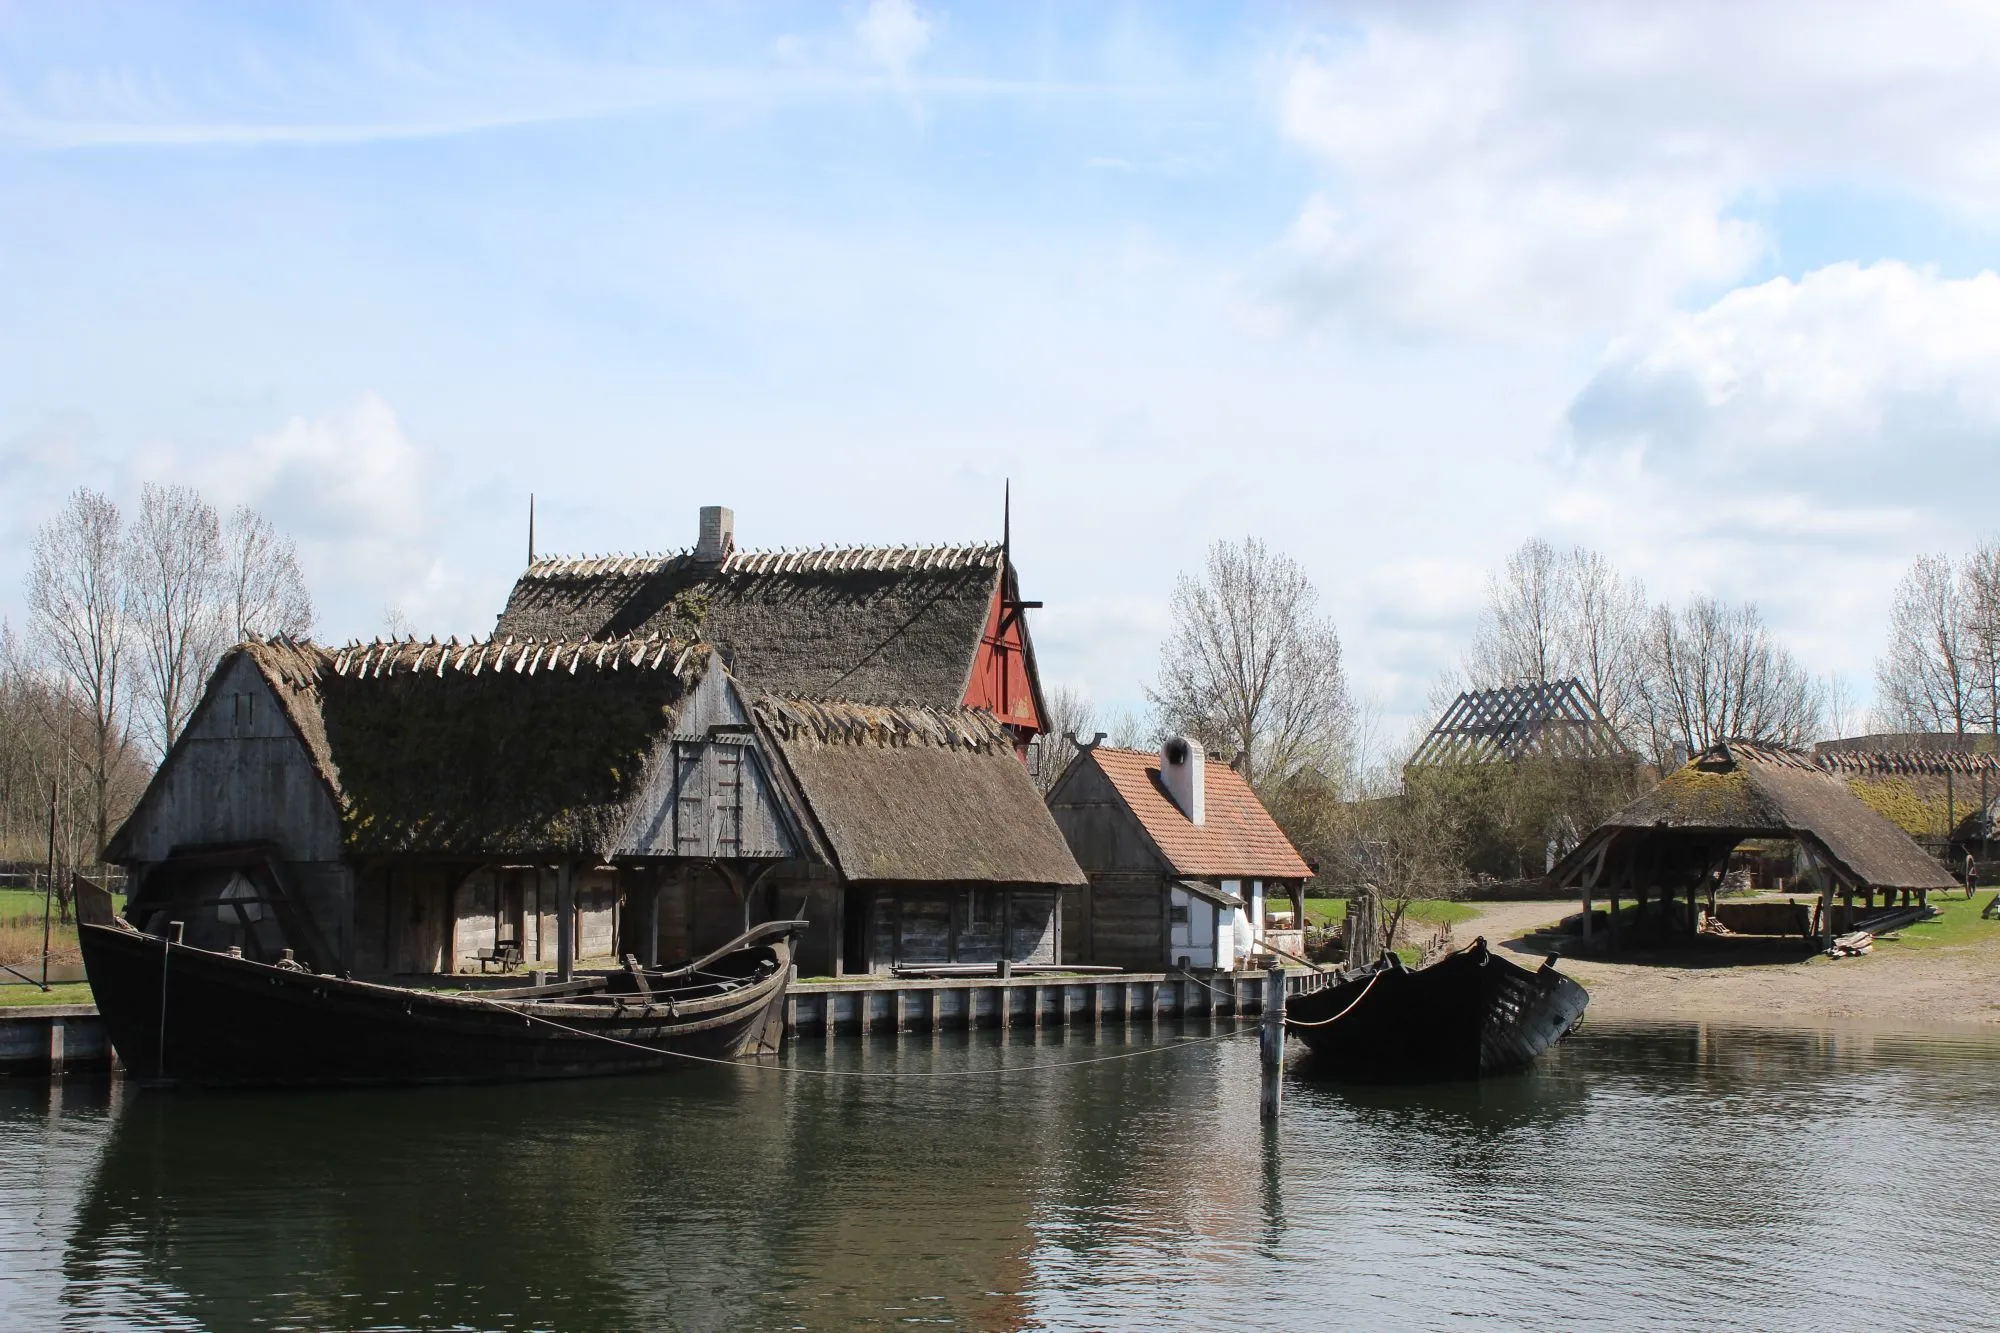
(894, 33)
(365, 503)
(1794, 443)
(1542, 173)
(1855, 388)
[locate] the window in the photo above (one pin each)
(242, 712)
(1178, 915)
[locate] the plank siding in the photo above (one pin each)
(1031, 925)
(239, 773)
(979, 924)
(1127, 920)
(708, 793)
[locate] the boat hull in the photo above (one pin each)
(1470, 1015)
(177, 1014)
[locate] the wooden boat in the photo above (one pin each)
(1470, 1014)
(178, 1014)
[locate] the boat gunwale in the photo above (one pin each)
(719, 1005)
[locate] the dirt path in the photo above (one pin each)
(1908, 984)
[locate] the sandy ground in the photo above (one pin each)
(1740, 979)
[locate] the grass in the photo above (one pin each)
(22, 997)
(1958, 923)
(1427, 911)
(21, 930)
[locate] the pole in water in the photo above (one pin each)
(48, 884)
(1271, 1045)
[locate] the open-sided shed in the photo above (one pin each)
(1674, 841)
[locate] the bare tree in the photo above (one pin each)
(1130, 730)
(1070, 719)
(266, 589)
(78, 623)
(1604, 625)
(1551, 615)
(176, 576)
(1519, 636)
(1250, 668)
(1714, 673)
(1979, 581)
(1925, 681)
(1406, 841)
(1841, 708)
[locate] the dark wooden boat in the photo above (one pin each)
(1470, 1014)
(178, 1014)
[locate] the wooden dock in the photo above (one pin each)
(53, 1039)
(70, 1038)
(824, 1008)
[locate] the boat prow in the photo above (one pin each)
(1470, 1014)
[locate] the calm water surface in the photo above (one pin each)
(1664, 1177)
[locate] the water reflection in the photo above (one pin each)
(1683, 1175)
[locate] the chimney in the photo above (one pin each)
(1183, 773)
(718, 534)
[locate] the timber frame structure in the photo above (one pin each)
(1535, 719)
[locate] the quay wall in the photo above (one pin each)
(60, 1039)
(821, 1008)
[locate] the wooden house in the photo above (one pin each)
(1186, 867)
(647, 756)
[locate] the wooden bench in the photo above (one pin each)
(507, 953)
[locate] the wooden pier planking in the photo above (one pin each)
(821, 1009)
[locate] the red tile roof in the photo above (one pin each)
(1237, 837)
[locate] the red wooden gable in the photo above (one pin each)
(1000, 681)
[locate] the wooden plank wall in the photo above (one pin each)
(1127, 919)
(1031, 925)
(981, 924)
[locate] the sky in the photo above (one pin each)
(1707, 287)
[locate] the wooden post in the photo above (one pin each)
(56, 1035)
(1271, 1045)
(565, 924)
(653, 924)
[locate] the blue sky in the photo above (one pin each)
(1392, 287)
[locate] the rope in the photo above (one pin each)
(869, 1073)
(1206, 986)
(1324, 1022)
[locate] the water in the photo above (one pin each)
(1664, 1177)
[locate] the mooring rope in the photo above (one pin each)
(1001, 1072)
(1323, 1022)
(1216, 989)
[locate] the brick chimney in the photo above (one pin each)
(1183, 772)
(718, 534)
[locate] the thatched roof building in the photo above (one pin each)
(1677, 837)
(687, 743)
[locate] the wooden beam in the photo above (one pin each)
(565, 923)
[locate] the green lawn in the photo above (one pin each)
(1958, 922)
(1429, 911)
(74, 992)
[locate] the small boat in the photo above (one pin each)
(178, 1014)
(1470, 1014)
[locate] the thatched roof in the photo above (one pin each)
(1909, 754)
(881, 624)
(914, 794)
(1739, 790)
(501, 747)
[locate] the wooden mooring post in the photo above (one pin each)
(1271, 1045)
